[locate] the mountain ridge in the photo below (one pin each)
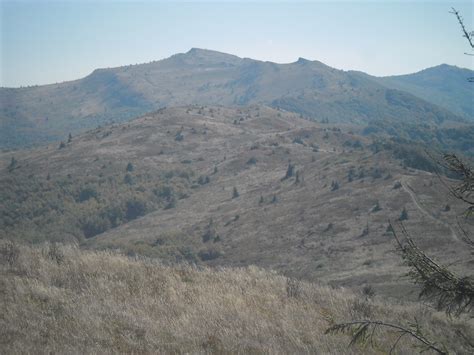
(200, 76)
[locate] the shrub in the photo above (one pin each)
(293, 288)
(129, 167)
(368, 291)
(210, 232)
(134, 209)
(86, 193)
(289, 171)
(127, 179)
(165, 192)
(13, 164)
(209, 254)
(171, 203)
(94, 225)
(377, 207)
(252, 161)
(298, 140)
(179, 137)
(55, 253)
(203, 180)
(403, 215)
(235, 193)
(9, 253)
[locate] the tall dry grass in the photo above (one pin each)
(63, 300)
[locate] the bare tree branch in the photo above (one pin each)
(466, 34)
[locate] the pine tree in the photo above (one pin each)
(235, 193)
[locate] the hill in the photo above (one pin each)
(34, 115)
(58, 299)
(444, 85)
(234, 187)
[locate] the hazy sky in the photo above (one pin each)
(52, 41)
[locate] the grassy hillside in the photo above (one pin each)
(323, 219)
(58, 299)
(206, 78)
(444, 85)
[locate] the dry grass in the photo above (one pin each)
(62, 299)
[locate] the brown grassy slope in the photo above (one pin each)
(60, 299)
(309, 231)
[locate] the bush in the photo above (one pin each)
(289, 171)
(165, 192)
(94, 225)
(134, 209)
(86, 193)
(235, 193)
(127, 179)
(9, 253)
(403, 215)
(179, 137)
(293, 288)
(171, 203)
(209, 254)
(252, 161)
(203, 180)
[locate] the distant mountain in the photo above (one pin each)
(314, 90)
(444, 85)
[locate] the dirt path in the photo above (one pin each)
(407, 188)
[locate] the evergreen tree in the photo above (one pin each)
(235, 193)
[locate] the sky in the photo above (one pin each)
(44, 42)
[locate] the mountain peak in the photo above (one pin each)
(208, 56)
(302, 60)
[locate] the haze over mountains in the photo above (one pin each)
(204, 167)
(33, 115)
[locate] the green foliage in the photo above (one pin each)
(86, 193)
(403, 215)
(252, 161)
(376, 207)
(209, 233)
(171, 203)
(94, 225)
(80, 206)
(203, 180)
(179, 137)
(209, 254)
(298, 140)
(13, 164)
(128, 179)
(135, 208)
(289, 171)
